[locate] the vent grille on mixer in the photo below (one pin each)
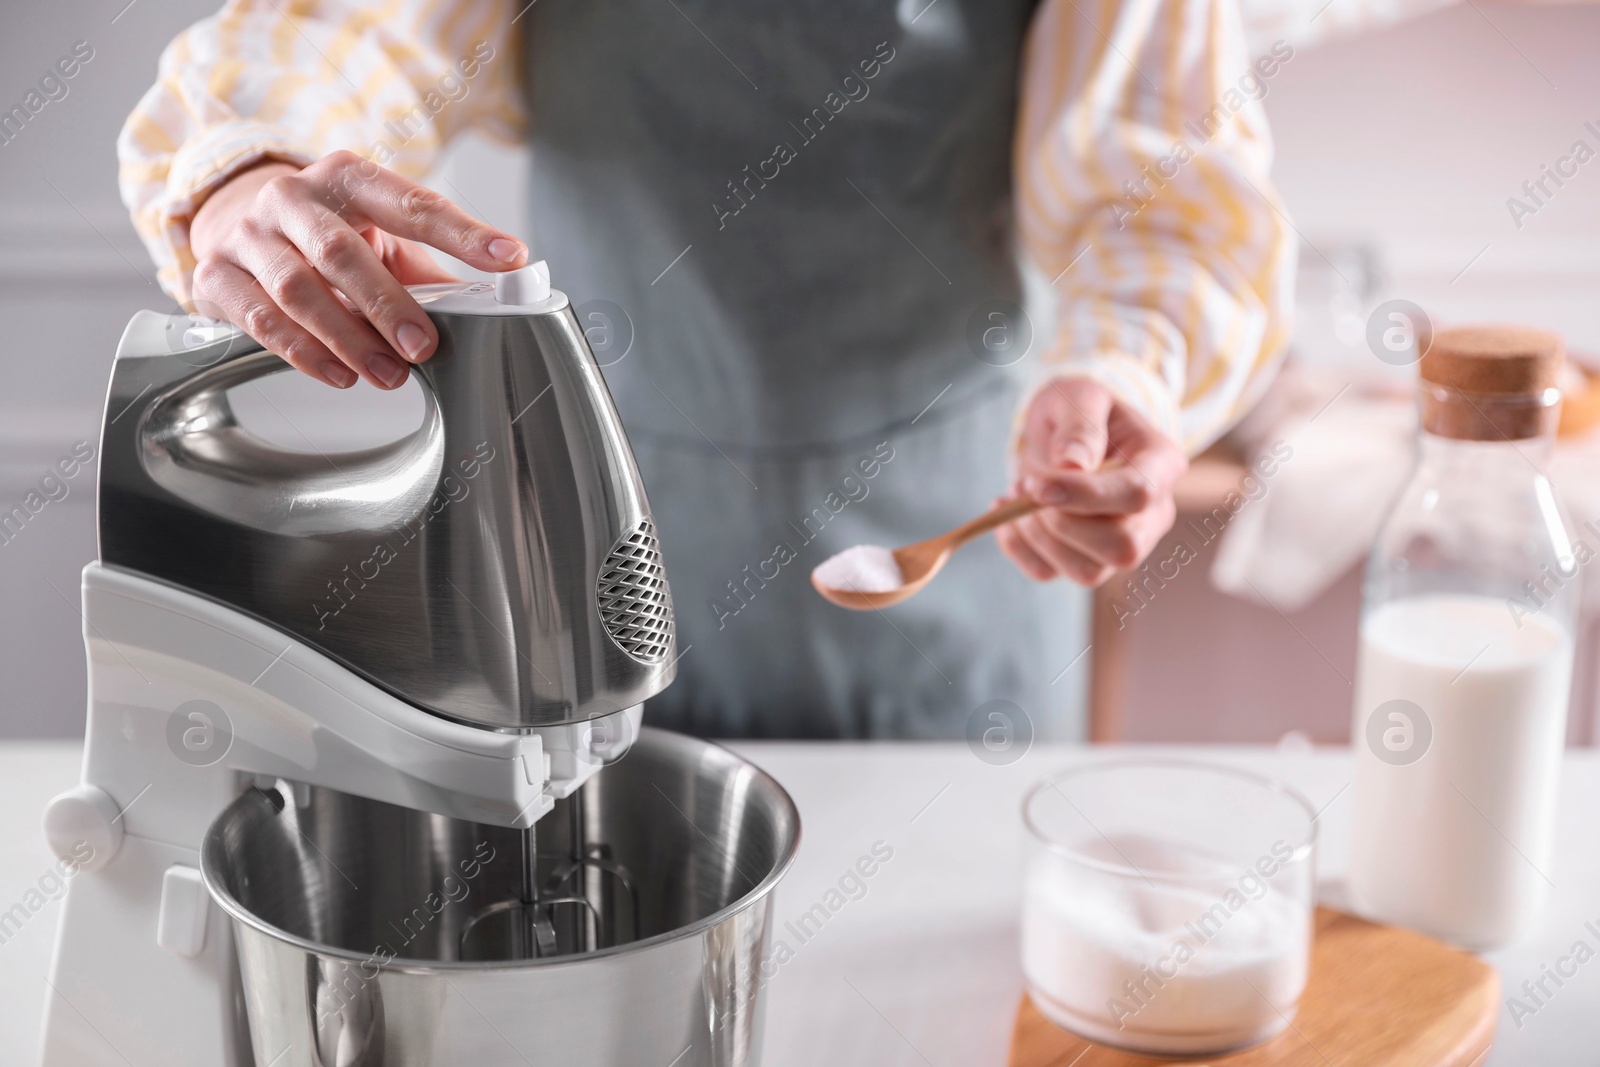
(635, 603)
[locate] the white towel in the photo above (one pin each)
(1323, 508)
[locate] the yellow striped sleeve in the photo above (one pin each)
(1142, 158)
(393, 80)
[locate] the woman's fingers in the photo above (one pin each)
(337, 235)
(408, 261)
(347, 261)
(1038, 546)
(1141, 468)
(225, 286)
(364, 193)
(1105, 475)
(1088, 453)
(303, 293)
(1064, 558)
(1116, 542)
(1019, 552)
(1117, 491)
(1110, 542)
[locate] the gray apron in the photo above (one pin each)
(785, 225)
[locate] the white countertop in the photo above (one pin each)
(922, 970)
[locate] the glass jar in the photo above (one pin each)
(1466, 652)
(1167, 906)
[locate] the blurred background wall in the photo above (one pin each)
(1401, 145)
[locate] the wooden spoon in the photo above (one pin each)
(921, 561)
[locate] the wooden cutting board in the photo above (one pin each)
(1378, 996)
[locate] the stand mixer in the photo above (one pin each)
(455, 630)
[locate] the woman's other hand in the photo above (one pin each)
(1106, 476)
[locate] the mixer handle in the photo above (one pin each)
(179, 370)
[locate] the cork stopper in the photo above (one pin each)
(1491, 383)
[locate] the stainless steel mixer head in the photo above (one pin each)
(497, 566)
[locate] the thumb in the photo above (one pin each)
(1078, 435)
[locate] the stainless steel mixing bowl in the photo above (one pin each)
(354, 922)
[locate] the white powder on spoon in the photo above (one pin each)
(860, 569)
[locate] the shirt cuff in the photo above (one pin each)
(202, 166)
(1124, 377)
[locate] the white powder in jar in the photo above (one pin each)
(860, 569)
(1160, 966)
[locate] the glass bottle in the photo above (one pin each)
(1466, 650)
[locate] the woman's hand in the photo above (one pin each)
(276, 246)
(1107, 475)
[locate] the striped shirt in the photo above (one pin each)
(1141, 163)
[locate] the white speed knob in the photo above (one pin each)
(526, 285)
(84, 827)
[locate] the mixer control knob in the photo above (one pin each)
(526, 285)
(84, 827)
